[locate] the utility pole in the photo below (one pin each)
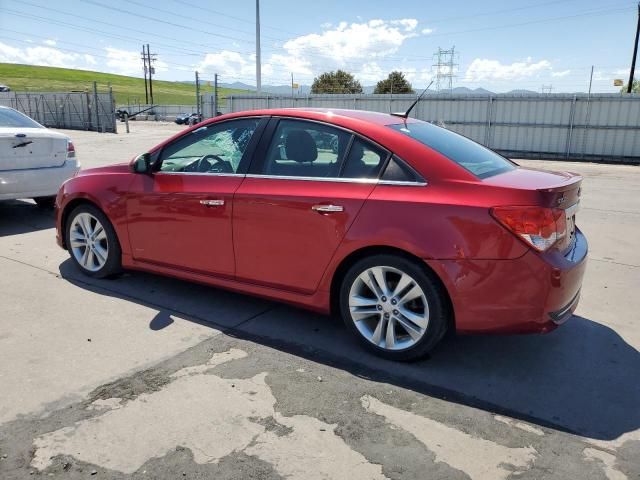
(635, 54)
(144, 68)
(151, 58)
(258, 66)
(197, 94)
(591, 80)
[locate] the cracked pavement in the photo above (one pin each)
(150, 377)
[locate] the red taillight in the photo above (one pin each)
(537, 226)
(71, 149)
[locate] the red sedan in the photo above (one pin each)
(405, 229)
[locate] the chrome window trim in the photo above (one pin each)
(315, 179)
(209, 174)
(401, 183)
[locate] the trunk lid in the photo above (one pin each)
(556, 190)
(28, 148)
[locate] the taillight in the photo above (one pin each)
(71, 149)
(537, 226)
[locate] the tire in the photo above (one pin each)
(104, 256)
(46, 203)
(362, 309)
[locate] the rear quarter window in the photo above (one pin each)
(470, 155)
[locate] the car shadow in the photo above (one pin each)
(581, 378)
(18, 216)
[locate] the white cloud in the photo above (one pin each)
(128, 62)
(561, 74)
(484, 69)
(354, 46)
(426, 31)
(355, 41)
(43, 55)
(50, 42)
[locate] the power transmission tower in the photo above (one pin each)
(546, 89)
(444, 66)
(151, 57)
(144, 68)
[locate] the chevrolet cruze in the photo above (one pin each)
(404, 229)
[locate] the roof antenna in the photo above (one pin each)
(405, 115)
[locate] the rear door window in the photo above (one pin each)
(364, 160)
(470, 155)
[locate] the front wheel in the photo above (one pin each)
(396, 308)
(92, 242)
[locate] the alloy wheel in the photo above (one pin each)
(389, 308)
(88, 242)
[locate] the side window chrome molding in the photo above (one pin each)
(314, 179)
(375, 181)
(208, 174)
(399, 183)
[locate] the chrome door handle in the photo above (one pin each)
(212, 203)
(327, 208)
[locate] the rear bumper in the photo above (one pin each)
(37, 182)
(531, 294)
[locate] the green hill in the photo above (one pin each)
(23, 78)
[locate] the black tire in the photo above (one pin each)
(439, 314)
(46, 203)
(113, 265)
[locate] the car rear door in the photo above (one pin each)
(180, 216)
(296, 204)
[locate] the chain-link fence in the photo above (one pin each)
(91, 110)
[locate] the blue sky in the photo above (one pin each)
(521, 44)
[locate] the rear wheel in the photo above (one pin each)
(92, 242)
(45, 203)
(396, 308)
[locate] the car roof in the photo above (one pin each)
(331, 115)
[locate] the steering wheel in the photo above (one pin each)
(219, 166)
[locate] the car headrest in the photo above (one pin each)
(300, 146)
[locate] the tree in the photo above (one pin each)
(336, 82)
(634, 89)
(394, 83)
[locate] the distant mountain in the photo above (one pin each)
(524, 92)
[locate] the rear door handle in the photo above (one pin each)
(212, 203)
(327, 208)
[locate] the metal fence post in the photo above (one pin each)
(112, 108)
(487, 133)
(89, 122)
(97, 105)
(571, 119)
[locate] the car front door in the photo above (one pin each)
(180, 215)
(298, 201)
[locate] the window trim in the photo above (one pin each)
(245, 161)
(261, 152)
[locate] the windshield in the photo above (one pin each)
(12, 118)
(475, 158)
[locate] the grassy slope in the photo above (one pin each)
(23, 78)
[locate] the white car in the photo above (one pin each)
(34, 161)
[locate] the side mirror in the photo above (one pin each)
(141, 164)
